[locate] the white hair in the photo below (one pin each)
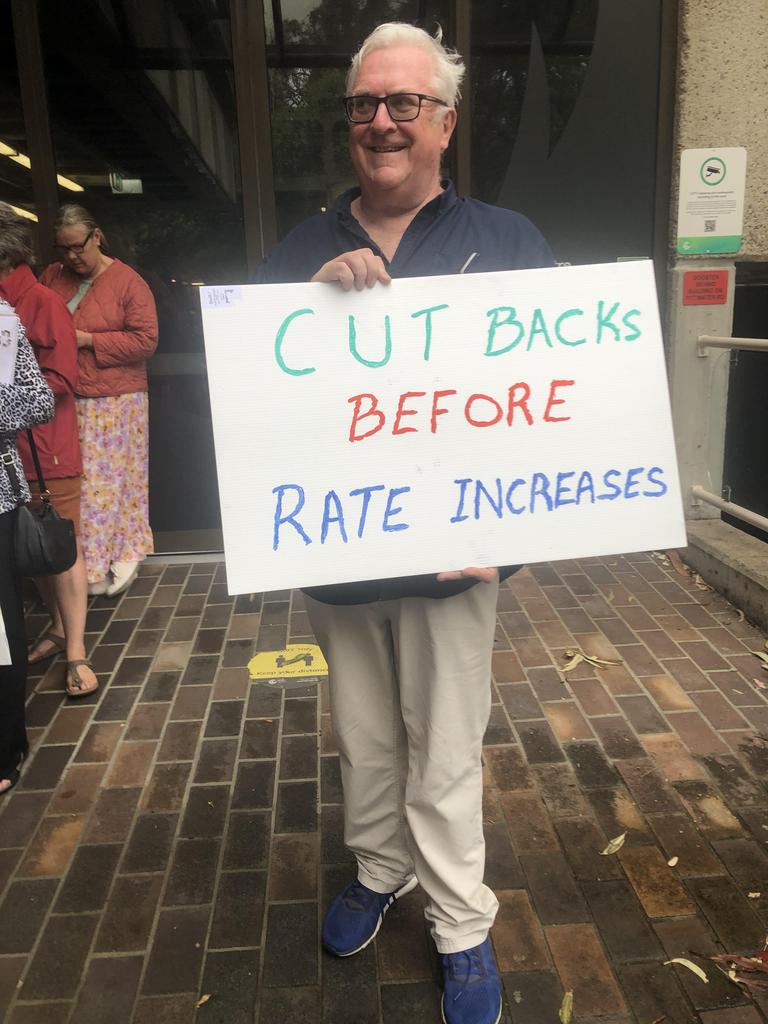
(448, 65)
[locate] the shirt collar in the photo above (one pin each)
(431, 211)
(18, 282)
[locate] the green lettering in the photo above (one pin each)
(538, 326)
(373, 363)
(627, 321)
(604, 320)
(565, 316)
(428, 326)
(496, 323)
(279, 344)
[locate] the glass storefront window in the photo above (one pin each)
(15, 177)
(143, 116)
(307, 70)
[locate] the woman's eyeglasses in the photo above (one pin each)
(78, 249)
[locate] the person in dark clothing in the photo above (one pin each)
(410, 659)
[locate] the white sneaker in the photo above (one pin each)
(99, 587)
(124, 574)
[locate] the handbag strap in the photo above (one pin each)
(44, 492)
(7, 460)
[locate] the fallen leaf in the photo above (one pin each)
(566, 1008)
(203, 999)
(760, 684)
(660, 1020)
(672, 861)
(754, 895)
(611, 596)
(690, 965)
(574, 658)
(614, 845)
(748, 972)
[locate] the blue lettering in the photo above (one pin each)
(516, 510)
(390, 511)
(332, 498)
(540, 489)
(561, 489)
(366, 493)
(631, 484)
(496, 502)
(653, 478)
(281, 518)
(459, 515)
(585, 486)
(614, 491)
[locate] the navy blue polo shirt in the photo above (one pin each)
(449, 235)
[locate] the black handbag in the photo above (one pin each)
(44, 543)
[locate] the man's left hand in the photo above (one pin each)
(472, 572)
(84, 339)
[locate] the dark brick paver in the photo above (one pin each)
(179, 836)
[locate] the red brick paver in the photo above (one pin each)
(179, 835)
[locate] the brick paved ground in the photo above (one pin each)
(179, 836)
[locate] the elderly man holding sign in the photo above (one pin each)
(410, 659)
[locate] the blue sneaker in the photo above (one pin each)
(471, 986)
(355, 916)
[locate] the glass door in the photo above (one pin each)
(143, 118)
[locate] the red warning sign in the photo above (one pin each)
(705, 287)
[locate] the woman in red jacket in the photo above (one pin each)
(51, 332)
(116, 329)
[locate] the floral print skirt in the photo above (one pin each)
(114, 505)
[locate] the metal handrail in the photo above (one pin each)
(713, 341)
(737, 511)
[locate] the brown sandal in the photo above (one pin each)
(77, 689)
(59, 647)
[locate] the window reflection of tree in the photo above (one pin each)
(308, 66)
(502, 37)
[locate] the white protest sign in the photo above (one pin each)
(438, 423)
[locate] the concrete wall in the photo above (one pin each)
(720, 101)
(722, 97)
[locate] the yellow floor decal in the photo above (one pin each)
(294, 661)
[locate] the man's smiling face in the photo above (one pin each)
(399, 157)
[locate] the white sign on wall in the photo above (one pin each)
(711, 204)
(438, 423)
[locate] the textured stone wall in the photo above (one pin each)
(722, 97)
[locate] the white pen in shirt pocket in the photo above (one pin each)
(467, 262)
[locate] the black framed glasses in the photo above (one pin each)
(77, 249)
(401, 106)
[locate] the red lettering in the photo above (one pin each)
(482, 423)
(519, 403)
(402, 411)
(439, 410)
(555, 384)
(373, 410)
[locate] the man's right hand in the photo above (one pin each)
(360, 268)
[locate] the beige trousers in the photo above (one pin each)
(410, 700)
